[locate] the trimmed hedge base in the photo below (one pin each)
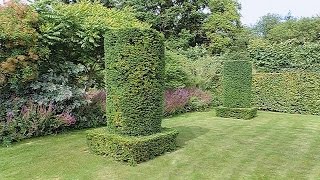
(131, 149)
(237, 113)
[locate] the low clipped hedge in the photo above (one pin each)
(135, 68)
(238, 113)
(294, 92)
(131, 149)
(237, 79)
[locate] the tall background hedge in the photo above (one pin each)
(288, 92)
(237, 81)
(292, 92)
(135, 84)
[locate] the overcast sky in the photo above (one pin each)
(253, 9)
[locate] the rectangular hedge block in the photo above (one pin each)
(237, 79)
(237, 113)
(131, 149)
(135, 69)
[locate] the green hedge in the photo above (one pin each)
(286, 56)
(131, 149)
(135, 69)
(237, 79)
(238, 113)
(288, 92)
(292, 92)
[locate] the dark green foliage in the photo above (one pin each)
(238, 113)
(266, 23)
(176, 75)
(237, 79)
(285, 56)
(135, 81)
(223, 25)
(180, 21)
(292, 92)
(131, 149)
(298, 29)
(288, 92)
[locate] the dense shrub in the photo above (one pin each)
(131, 149)
(91, 114)
(34, 120)
(135, 69)
(80, 27)
(176, 101)
(176, 75)
(296, 92)
(203, 72)
(237, 79)
(19, 49)
(186, 100)
(50, 54)
(192, 67)
(286, 56)
(30, 121)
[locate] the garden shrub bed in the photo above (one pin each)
(238, 113)
(131, 149)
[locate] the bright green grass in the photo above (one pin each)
(271, 146)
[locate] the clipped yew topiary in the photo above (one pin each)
(237, 95)
(135, 81)
(135, 85)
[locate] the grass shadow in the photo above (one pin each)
(187, 133)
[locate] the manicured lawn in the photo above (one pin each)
(273, 145)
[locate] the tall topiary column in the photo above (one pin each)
(237, 80)
(135, 89)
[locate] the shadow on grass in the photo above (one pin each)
(187, 133)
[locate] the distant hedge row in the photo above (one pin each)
(294, 92)
(288, 92)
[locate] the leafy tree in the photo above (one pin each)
(52, 52)
(301, 30)
(74, 34)
(19, 48)
(176, 19)
(266, 23)
(223, 24)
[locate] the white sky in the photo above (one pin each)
(253, 9)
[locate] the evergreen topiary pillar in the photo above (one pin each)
(237, 80)
(135, 93)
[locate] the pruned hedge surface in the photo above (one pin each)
(131, 149)
(237, 79)
(288, 92)
(135, 69)
(292, 92)
(238, 113)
